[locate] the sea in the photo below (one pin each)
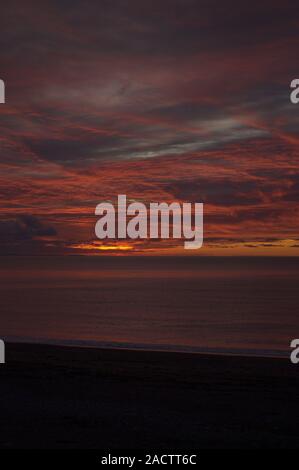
(200, 304)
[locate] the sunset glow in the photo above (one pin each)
(202, 116)
(97, 247)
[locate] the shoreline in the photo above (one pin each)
(159, 348)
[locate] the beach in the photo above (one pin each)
(67, 397)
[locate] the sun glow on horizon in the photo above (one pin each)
(96, 247)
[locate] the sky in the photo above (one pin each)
(179, 100)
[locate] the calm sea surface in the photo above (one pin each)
(235, 305)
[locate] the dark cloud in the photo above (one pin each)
(24, 227)
(220, 191)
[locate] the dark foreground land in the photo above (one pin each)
(59, 397)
